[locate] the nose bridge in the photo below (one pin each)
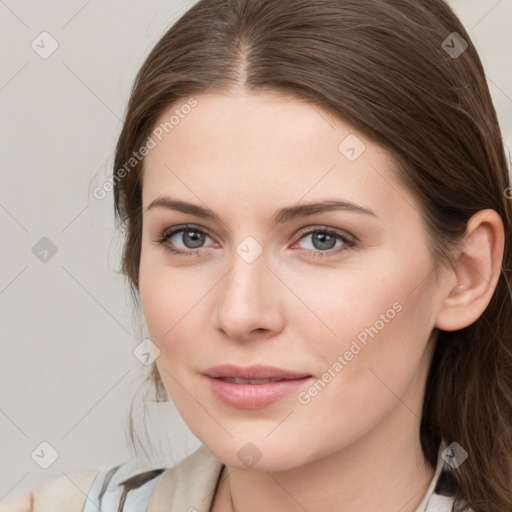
(245, 282)
(245, 302)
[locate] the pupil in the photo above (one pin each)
(198, 239)
(326, 241)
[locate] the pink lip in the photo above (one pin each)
(253, 396)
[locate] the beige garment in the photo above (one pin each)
(173, 492)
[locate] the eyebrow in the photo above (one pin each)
(283, 215)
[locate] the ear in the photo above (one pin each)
(477, 271)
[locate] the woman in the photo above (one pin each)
(316, 202)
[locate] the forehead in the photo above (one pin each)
(238, 121)
(240, 146)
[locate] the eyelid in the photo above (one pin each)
(168, 232)
(322, 227)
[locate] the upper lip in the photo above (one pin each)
(253, 372)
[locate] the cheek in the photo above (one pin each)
(379, 324)
(173, 302)
(168, 312)
(164, 302)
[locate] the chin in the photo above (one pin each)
(259, 456)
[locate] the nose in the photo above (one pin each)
(248, 304)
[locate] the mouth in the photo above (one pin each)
(254, 373)
(236, 380)
(253, 387)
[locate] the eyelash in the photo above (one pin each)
(348, 241)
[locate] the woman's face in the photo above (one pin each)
(353, 307)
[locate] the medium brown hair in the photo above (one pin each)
(383, 67)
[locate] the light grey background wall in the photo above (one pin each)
(67, 368)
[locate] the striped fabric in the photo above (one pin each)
(115, 491)
(111, 493)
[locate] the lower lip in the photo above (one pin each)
(253, 396)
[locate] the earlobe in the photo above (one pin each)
(477, 272)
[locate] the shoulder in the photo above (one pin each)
(128, 487)
(125, 487)
(189, 485)
(84, 491)
(66, 493)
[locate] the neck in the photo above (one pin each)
(384, 470)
